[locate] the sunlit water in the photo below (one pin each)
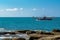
(29, 23)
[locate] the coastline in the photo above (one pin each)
(30, 35)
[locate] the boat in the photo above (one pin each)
(43, 18)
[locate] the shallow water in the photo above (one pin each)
(29, 23)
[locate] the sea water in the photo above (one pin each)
(29, 23)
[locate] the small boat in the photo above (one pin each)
(43, 18)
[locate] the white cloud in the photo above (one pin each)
(21, 9)
(13, 9)
(34, 9)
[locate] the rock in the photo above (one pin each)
(31, 32)
(56, 30)
(34, 38)
(22, 31)
(6, 39)
(58, 38)
(18, 39)
(47, 33)
(12, 33)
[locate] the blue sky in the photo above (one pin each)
(29, 8)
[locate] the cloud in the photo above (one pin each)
(43, 9)
(34, 9)
(12, 9)
(21, 9)
(1, 10)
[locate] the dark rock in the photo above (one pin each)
(2, 33)
(47, 33)
(56, 30)
(23, 31)
(58, 38)
(30, 32)
(6, 39)
(12, 33)
(18, 39)
(34, 38)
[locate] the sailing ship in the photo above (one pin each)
(43, 18)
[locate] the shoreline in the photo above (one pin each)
(30, 34)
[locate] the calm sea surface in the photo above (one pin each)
(29, 23)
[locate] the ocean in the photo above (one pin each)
(29, 23)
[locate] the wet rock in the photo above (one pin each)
(31, 32)
(56, 30)
(22, 31)
(34, 38)
(47, 33)
(12, 33)
(18, 39)
(3, 33)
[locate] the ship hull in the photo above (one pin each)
(44, 18)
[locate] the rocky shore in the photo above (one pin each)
(30, 35)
